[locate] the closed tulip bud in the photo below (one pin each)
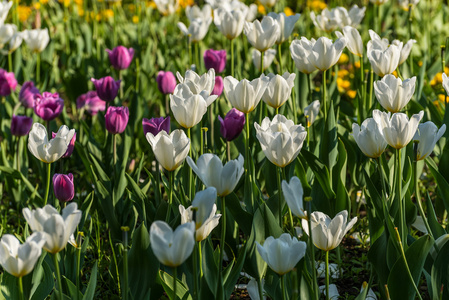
(213, 173)
(167, 7)
(278, 89)
(325, 54)
(383, 60)
(120, 57)
(27, 92)
(155, 125)
(301, 52)
(5, 6)
(170, 150)
(328, 233)
(21, 125)
(48, 106)
(369, 138)
(262, 35)
(19, 260)
(293, 194)
(107, 88)
(71, 144)
(197, 83)
(63, 187)
(91, 103)
(280, 139)
(245, 95)
(427, 136)
(172, 248)
(355, 43)
(312, 111)
(446, 83)
(8, 83)
(215, 59)
(57, 228)
(116, 119)
(188, 108)
(166, 82)
(286, 25)
(268, 57)
(232, 124)
(218, 88)
(282, 254)
(229, 22)
(393, 93)
(36, 39)
(397, 130)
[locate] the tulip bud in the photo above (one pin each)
(63, 187)
(232, 124)
(215, 59)
(166, 82)
(91, 103)
(27, 92)
(154, 125)
(48, 106)
(218, 87)
(8, 83)
(120, 57)
(36, 39)
(116, 119)
(107, 88)
(21, 125)
(70, 146)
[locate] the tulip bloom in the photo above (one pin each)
(107, 88)
(213, 173)
(48, 106)
(91, 103)
(215, 59)
(393, 93)
(369, 138)
(36, 39)
(427, 136)
(170, 150)
(120, 57)
(326, 20)
(71, 143)
(172, 248)
(328, 233)
(188, 108)
(167, 7)
(244, 95)
(21, 125)
(383, 60)
(286, 25)
(155, 125)
(280, 139)
(355, 43)
(116, 119)
(282, 254)
(63, 187)
(268, 57)
(405, 51)
(301, 51)
(312, 111)
(27, 92)
(293, 193)
(166, 82)
(262, 35)
(19, 260)
(445, 83)
(197, 83)
(218, 87)
(268, 3)
(197, 29)
(8, 83)
(5, 6)
(56, 228)
(278, 89)
(325, 54)
(232, 124)
(229, 22)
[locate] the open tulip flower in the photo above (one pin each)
(301, 51)
(325, 54)
(279, 89)
(445, 83)
(155, 125)
(393, 93)
(369, 138)
(195, 12)
(427, 136)
(244, 95)
(167, 7)
(383, 57)
(293, 193)
(325, 21)
(286, 25)
(197, 29)
(232, 124)
(197, 83)
(280, 139)
(262, 35)
(170, 149)
(36, 39)
(229, 22)
(355, 43)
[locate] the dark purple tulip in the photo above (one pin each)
(232, 125)
(166, 82)
(91, 103)
(218, 87)
(27, 92)
(215, 59)
(116, 119)
(120, 57)
(70, 147)
(155, 125)
(107, 88)
(21, 125)
(48, 106)
(63, 187)
(8, 83)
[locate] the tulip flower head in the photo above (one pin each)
(218, 87)
(244, 95)
(21, 125)
(172, 248)
(7, 31)
(301, 52)
(166, 82)
(293, 194)
(26, 95)
(215, 59)
(36, 39)
(71, 143)
(282, 254)
(286, 25)
(326, 20)
(197, 83)
(107, 88)
(268, 3)
(120, 57)
(355, 43)
(278, 89)
(8, 83)
(19, 260)
(91, 103)
(445, 83)
(56, 228)
(15, 41)
(232, 124)
(48, 106)
(369, 138)
(5, 6)
(229, 22)
(427, 136)
(189, 108)
(63, 187)
(116, 119)
(195, 12)
(197, 29)
(268, 57)
(155, 125)
(325, 54)
(393, 93)
(384, 58)
(328, 233)
(311, 112)
(405, 51)
(167, 7)
(262, 35)
(170, 149)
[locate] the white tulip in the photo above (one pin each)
(355, 43)
(262, 35)
(369, 138)
(197, 29)
(167, 7)
(170, 150)
(278, 89)
(325, 54)
(393, 93)
(446, 83)
(356, 15)
(383, 61)
(19, 260)
(286, 25)
(427, 136)
(333, 291)
(212, 173)
(49, 151)
(7, 31)
(406, 3)
(36, 39)
(230, 23)
(15, 42)
(282, 254)
(312, 111)
(253, 289)
(244, 95)
(325, 21)
(188, 108)
(405, 51)
(378, 2)
(56, 228)
(293, 193)
(5, 6)
(268, 3)
(197, 83)
(268, 57)
(328, 233)
(300, 51)
(252, 12)
(397, 130)
(194, 12)
(280, 139)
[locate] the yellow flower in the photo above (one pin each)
(395, 73)
(37, 5)
(439, 77)
(420, 63)
(185, 3)
(316, 5)
(344, 58)
(342, 73)
(261, 9)
(135, 19)
(108, 13)
(357, 64)
(43, 1)
(351, 94)
(446, 70)
(442, 97)
(433, 82)
(288, 11)
(24, 12)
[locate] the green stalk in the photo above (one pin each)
(370, 99)
(260, 287)
(248, 179)
(402, 223)
(48, 183)
(361, 99)
(10, 61)
(20, 288)
(324, 96)
(261, 62)
(327, 273)
(170, 195)
(190, 169)
(212, 127)
(58, 274)
(38, 69)
(280, 59)
(125, 230)
(115, 150)
(410, 20)
(158, 183)
(228, 150)
(223, 233)
(283, 286)
(120, 77)
(175, 282)
(197, 57)
(200, 254)
(78, 262)
(115, 261)
(312, 251)
(232, 58)
(417, 194)
(19, 140)
(278, 177)
(309, 84)
(195, 273)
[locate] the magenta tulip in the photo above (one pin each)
(27, 92)
(107, 88)
(166, 82)
(91, 103)
(215, 59)
(218, 87)
(120, 57)
(63, 187)
(116, 119)
(21, 125)
(155, 125)
(48, 106)
(8, 83)
(232, 125)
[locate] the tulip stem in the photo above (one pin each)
(248, 181)
(327, 273)
(363, 96)
(278, 177)
(312, 251)
(260, 287)
(190, 169)
(10, 61)
(78, 262)
(402, 221)
(58, 275)
(283, 286)
(170, 196)
(280, 59)
(197, 57)
(38, 68)
(48, 183)
(370, 99)
(232, 58)
(175, 282)
(120, 77)
(309, 83)
(158, 184)
(115, 150)
(324, 95)
(125, 261)
(261, 62)
(417, 194)
(195, 273)
(19, 140)
(223, 233)
(228, 150)
(200, 254)
(20, 288)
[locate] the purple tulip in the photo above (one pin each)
(116, 119)
(121, 57)
(8, 83)
(107, 88)
(91, 103)
(218, 87)
(27, 92)
(21, 125)
(232, 125)
(70, 147)
(48, 106)
(155, 125)
(215, 59)
(166, 82)
(63, 187)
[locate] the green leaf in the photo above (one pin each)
(167, 283)
(442, 184)
(320, 170)
(90, 291)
